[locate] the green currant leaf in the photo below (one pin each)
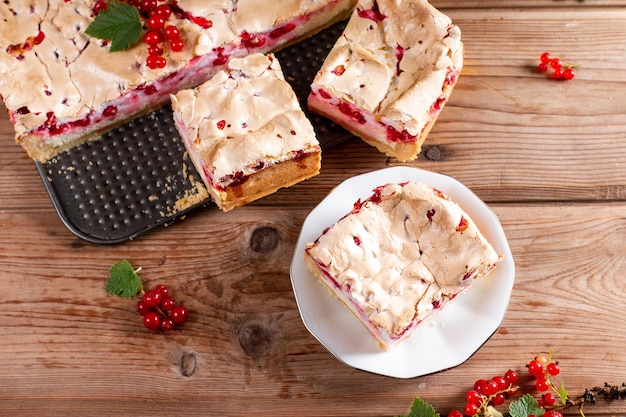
(563, 394)
(525, 406)
(120, 23)
(421, 408)
(123, 280)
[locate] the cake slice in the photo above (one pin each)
(245, 131)
(62, 87)
(399, 256)
(390, 74)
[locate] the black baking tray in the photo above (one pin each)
(138, 177)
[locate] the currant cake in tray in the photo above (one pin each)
(400, 255)
(62, 86)
(245, 131)
(390, 73)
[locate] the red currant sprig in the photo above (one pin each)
(160, 311)
(158, 33)
(560, 73)
(488, 392)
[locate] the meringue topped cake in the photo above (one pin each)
(62, 86)
(245, 131)
(390, 73)
(399, 256)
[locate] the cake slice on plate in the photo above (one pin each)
(405, 252)
(62, 87)
(245, 132)
(390, 73)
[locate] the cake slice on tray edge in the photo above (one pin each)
(61, 87)
(389, 75)
(245, 132)
(399, 256)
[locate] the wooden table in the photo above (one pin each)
(549, 157)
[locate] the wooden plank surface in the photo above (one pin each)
(549, 157)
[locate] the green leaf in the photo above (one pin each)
(563, 394)
(123, 280)
(421, 408)
(525, 406)
(120, 23)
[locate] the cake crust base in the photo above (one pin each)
(267, 181)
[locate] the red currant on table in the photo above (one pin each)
(471, 409)
(179, 314)
(511, 377)
(152, 298)
(545, 58)
(547, 400)
(152, 321)
(568, 74)
(553, 369)
(535, 368)
(455, 413)
(542, 385)
(143, 308)
(167, 324)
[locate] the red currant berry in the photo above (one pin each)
(168, 303)
(171, 32)
(455, 413)
(99, 6)
(163, 10)
(471, 409)
(479, 386)
(501, 382)
(543, 67)
(498, 399)
(535, 368)
(490, 388)
(177, 45)
(568, 74)
(555, 63)
(167, 324)
(152, 321)
(542, 385)
(155, 50)
(179, 314)
(511, 377)
(558, 73)
(474, 397)
(152, 298)
(154, 62)
(147, 5)
(548, 399)
(156, 22)
(142, 308)
(163, 290)
(152, 37)
(545, 57)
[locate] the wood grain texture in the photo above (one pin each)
(549, 157)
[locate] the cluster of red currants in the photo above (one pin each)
(158, 33)
(487, 392)
(548, 61)
(542, 369)
(160, 311)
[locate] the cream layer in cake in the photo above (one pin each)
(390, 73)
(60, 86)
(245, 131)
(400, 255)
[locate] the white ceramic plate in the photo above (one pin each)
(445, 340)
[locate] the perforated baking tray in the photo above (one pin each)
(137, 177)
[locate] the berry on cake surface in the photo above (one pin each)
(389, 75)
